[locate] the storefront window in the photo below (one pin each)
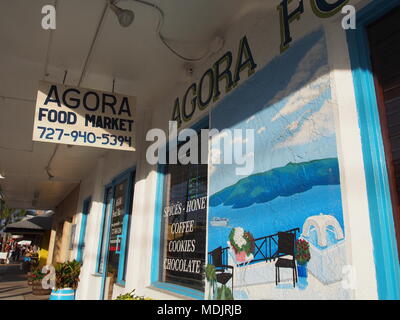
(183, 226)
(117, 215)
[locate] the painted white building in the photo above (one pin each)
(303, 85)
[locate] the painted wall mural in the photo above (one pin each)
(279, 233)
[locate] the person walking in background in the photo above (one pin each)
(9, 252)
(23, 250)
(17, 252)
(12, 252)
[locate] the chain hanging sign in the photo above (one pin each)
(85, 117)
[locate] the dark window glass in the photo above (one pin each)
(184, 224)
(104, 231)
(117, 219)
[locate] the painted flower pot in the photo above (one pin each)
(241, 256)
(62, 294)
(302, 270)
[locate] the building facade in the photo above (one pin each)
(313, 171)
(316, 99)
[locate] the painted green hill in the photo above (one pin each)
(285, 182)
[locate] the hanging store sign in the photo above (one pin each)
(77, 116)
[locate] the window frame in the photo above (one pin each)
(156, 250)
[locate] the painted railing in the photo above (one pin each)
(265, 249)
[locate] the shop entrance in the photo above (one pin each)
(384, 42)
(115, 232)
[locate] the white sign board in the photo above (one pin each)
(77, 116)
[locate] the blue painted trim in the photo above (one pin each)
(82, 232)
(101, 230)
(120, 283)
(125, 226)
(155, 260)
(379, 200)
(199, 295)
(107, 244)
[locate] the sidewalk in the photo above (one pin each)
(14, 285)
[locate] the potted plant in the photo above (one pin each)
(131, 296)
(302, 257)
(224, 293)
(35, 279)
(211, 279)
(67, 278)
(242, 243)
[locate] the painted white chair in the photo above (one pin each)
(240, 268)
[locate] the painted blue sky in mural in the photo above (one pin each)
(288, 104)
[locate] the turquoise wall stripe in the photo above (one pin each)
(82, 232)
(180, 290)
(155, 260)
(380, 206)
(107, 243)
(101, 232)
(125, 227)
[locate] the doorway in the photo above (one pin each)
(374, 71)
(384, 43)
(115, 232)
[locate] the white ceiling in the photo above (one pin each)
(133, 56)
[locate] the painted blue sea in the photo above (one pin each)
(279, 214)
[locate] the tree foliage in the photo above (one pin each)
(8, 215)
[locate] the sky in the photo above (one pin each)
(288, 103)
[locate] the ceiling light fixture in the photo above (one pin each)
(125, 16)
(1, 176)
(49, 173)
